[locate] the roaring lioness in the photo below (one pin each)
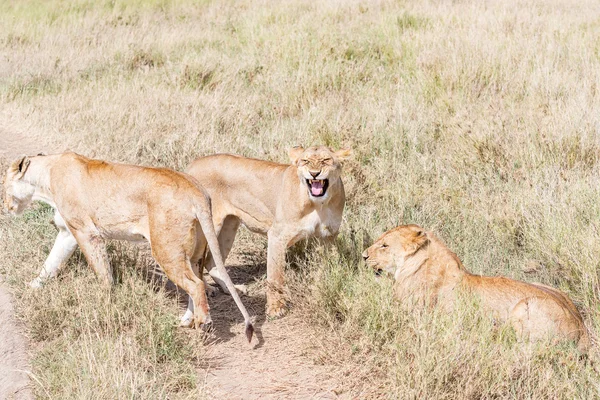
(285, 202)
(426, 271)
(95, 200)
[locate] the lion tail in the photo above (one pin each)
(204, 215)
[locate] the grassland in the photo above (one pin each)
(479, 120)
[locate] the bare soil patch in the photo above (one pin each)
(14, 360)
(279, 365)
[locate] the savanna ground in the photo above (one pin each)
(479, 120)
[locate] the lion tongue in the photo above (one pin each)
(316, 188)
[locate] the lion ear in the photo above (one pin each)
(419, 240)
(294, 153)
(343, 154)
(19, 167)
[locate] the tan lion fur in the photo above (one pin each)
(274, 200)
(427, 272)
(96, 200)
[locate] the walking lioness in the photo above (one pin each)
(285, 202)
(96, 200)
(426, 271)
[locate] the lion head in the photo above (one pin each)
(18, 194)
(318, 167)
(392, 249)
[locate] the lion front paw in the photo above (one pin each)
(36, 283)
(276, 308)
(187, 320)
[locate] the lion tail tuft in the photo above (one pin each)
(249, 331)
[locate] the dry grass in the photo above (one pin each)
(476, 119)
(92, 343)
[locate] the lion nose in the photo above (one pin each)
(314, 174)
(365, 255)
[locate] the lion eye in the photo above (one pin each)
(303, 161)
(384, 246)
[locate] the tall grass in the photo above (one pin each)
(478, 120)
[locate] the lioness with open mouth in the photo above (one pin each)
(286, 202)
(427, 272)
(95, 200)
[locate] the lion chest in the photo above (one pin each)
(319, 224)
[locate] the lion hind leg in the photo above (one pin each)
(197, 263)
(180, 272)
(197, 312)
(94, 249)
(541, 317)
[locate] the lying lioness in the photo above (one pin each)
(286, 202)
(96, 200)
(426, 271)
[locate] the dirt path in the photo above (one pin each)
(278, 368)
(278, 365)
(14, 366)
(14, 360)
